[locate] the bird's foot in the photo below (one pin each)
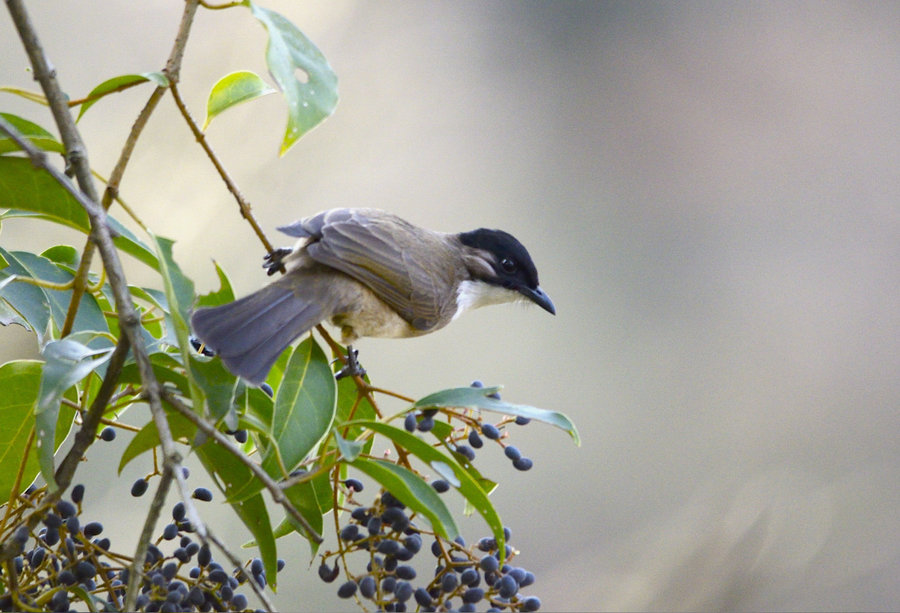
(274, 260)
(352, 368)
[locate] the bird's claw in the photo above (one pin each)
(274, 260)
(352, 368)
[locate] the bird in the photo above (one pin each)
(370, 274)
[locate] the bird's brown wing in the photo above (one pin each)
(404, 265)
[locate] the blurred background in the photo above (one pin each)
(710, 192)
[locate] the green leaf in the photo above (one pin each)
(477, 398)
(233, 89)
(288, 52)
(23, 186)
(220, 296)
(117, 84)
(350, 450)
(19, 385)
(37, 305)
(448, 468)
(68, 362)
(412, 491)
(39, 137)
(219, 387)
(304, 498)
(179, 298)
(304, 409)
(64, 255)
(32, 193)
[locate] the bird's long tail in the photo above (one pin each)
(249, 334)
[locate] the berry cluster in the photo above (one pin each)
(65, 561)
(463, 577)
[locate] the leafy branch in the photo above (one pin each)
(107, 346)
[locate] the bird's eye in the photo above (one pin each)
(508, 265)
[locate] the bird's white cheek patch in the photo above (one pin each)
(474, 294)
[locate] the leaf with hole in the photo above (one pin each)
(301, 71)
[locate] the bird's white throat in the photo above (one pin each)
(475, 294)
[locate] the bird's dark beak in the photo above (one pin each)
(538, 297)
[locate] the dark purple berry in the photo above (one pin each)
(73, 525)
(367, 586)
(204, 556)
(490, 431)
(476, 383)
(170, 532)
(350, 532)
(449, 582)
(409, 422)
(374, 525)
(92, 529)
(469, 577)
(512, 452)
(426, 424)
(522, 421)
(473, 595)
(487, 544)
(475, 440)
(67, 577)
(239, 602)
(202, 494)
(240, 436)
(388, 547)
(403, 591)
(347, 589)
(532, 603)
(405, 572)
(139, 487)
(84, 570)
(466, 451)
(78, 493)
(354, 484)
(489, 564)
(440, 485)
(423, 597)
(506, 586)
(178, 511)
(327, 574)
(523, 463)
(66, 509)
(108, 434)
(413, 543)
(256, 566)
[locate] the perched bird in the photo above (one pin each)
(370, 273)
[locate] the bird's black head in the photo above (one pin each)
(511, 265)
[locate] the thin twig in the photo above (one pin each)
(243, 204)
(137, 563)
(274, 488)
(172, 71)
(129, 321)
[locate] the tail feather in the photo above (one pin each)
(249, 334)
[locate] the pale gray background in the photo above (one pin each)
(710, 191)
